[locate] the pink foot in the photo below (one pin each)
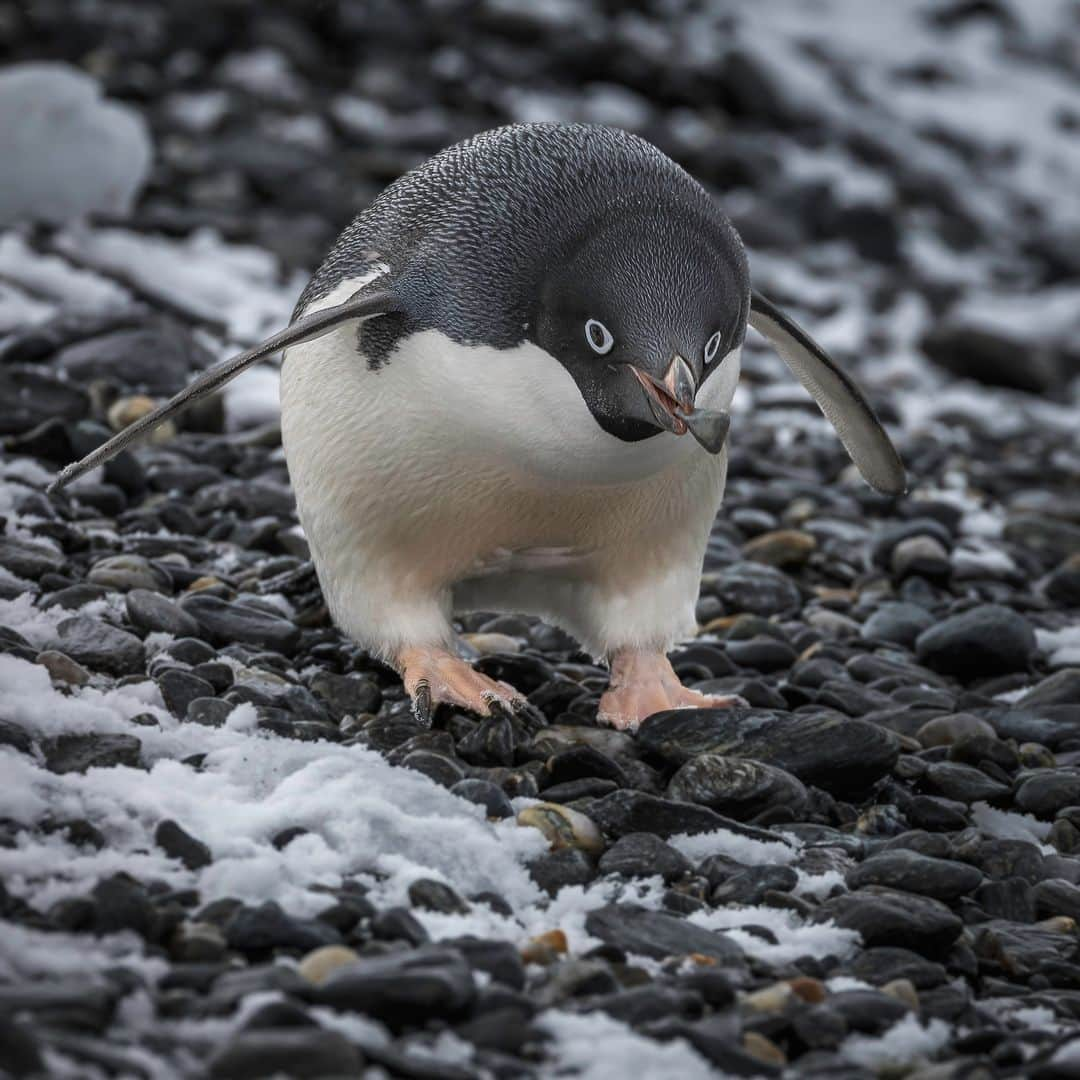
(433, 676)
(645, 683)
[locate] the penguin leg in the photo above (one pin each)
(434, 676)
(643, 683)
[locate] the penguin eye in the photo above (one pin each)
(711, 347)
(598, 336)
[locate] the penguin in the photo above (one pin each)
(507, 388)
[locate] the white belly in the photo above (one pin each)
(469, 477)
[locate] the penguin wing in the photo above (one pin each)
(837, 396)
(361, 305)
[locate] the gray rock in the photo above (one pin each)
(909, 871)
(178, 844)
(738, 787)
(757, 589)
(153, 613)
(658, 935)
(963, 783)
(268, 927)
(985, 641)
(180, 688)
(838, 753)
(884, 916)
(628, 811)
(897, 623)
(77, 753)
(427, 983)
(232, 623)
(347, 695)
(127, 572)
(1047, 792)
(643, 855)
(300, 1052)
(99, 646)
(27, 559)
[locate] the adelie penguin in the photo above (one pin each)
(506, 389)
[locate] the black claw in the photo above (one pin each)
(421, 703)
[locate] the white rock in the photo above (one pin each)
(66, 151)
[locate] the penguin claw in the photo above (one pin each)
(421, 703)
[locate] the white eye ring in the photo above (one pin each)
(598, 336)
(711, 347)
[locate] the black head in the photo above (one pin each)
(641, 312)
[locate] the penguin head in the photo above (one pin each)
(642, 312)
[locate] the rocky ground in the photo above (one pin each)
(227, 848)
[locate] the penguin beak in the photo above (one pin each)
(672, 404)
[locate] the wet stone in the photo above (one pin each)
(554, 870)
(153, 613)
(624, 812)
(62, 669)
(99, 646)
(963, 783)
(897, 623)
(179, 844)
(427, 983)
(885, 916)
(912, 872)
(225, 623)
(985, 641)
(347, 695)
(1046, 793)
(300, 1052)
(834, 752)
(267, 927)
(125, 572)
(28, 559)
(643, 855)
(180, 688)
(210, 711)
(488, 795)
(737, 787)
(435, 896)
(655, 934)
(757, 589)
(77, 753)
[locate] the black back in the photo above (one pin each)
(471, 235)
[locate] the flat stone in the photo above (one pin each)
(985, 641)
(909, 871)
(99, 646)
(228, 623)
(643, 855)
(838, 753)
(757, 589)
(77, 753)
(153, 613)
(127, 572)
(62, 669)
(897, 623)
(179, 844)
(738, 787)
(884, 916)
(28, 559)
(301, 1052)
(267, 927)
(658, 935)
(1047, 792)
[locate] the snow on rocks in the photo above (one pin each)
(95, 154)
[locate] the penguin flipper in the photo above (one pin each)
(837, 396)
(361, 305)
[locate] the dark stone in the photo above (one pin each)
(438, 767)
(888, 917)
(555, 869)
(1047, 792)
(435, 896)
(658, 935)
(26, 559)
(757, 589)
(347, 695)
(258, 930)
(909, 871)
(399, 924)
(963, 783)
(491, 742)
(883, 964)
(121, 903)
(840, 754)
(897, 623)
(499, 959)
(180, 688)
(77, 753)
(985, 641)
(178, 844)
(738, 787)
(582, 762)
(22, 1052)
(157, 358)
(486, 794)
(11, 734)
(402, 988)
(1057, 897)
(868, 1011)
(99, 646)
(627, 811)
(749, 886)
(644, 855)
(228, 623)
(293, 1051)
(1061, 688)
(153, 613)
(209, 711)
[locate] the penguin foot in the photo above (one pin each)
(645, 683)
(434, 677)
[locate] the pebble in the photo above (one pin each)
(658, 935)
(100, 647)
(179, 844)
(563, 827)
(152, 613)
(77, 753)
(987, 640)
(884, 916)
(227, 623)
(1047, 793)
(897, 623)
(781, 548)
(300, 1052)
(912, 872)
(643, 855)
(319, 964)
(737, 787)
(126, 572)
(62, 669)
